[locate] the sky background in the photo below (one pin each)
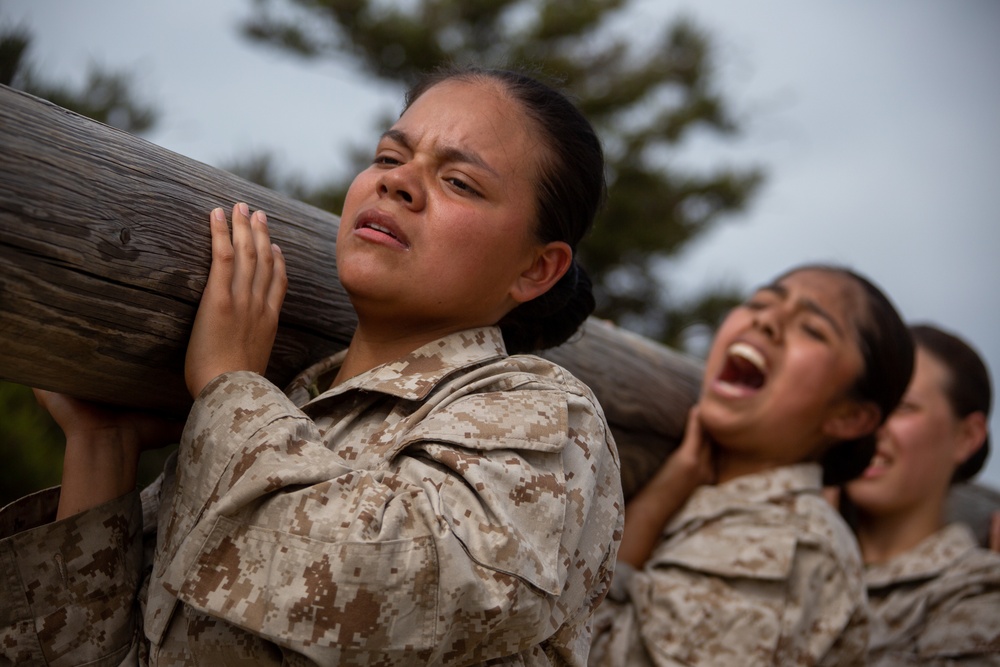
(878, 124)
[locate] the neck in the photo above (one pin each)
(887, 536)
(729, 466)
(371, 347)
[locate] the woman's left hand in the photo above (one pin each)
(103, 445)
(237, 319)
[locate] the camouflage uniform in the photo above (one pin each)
(937, 604)
(452, 507)
(756, 571)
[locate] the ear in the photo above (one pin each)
(550, 263)
(971, 436)
(852, 420)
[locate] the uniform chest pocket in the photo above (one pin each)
(504, 494)
(294, 589)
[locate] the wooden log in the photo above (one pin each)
(105, 249)
(645, 389)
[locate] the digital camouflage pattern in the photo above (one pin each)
(938, 604)
(759, 570)
(455, 507)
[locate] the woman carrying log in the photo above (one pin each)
(430, 495)
(934, 593)
(731, 555)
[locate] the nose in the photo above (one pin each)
(768, 321)
(882, 432)
(403, 184)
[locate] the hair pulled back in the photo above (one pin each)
(967, 389)
(571, 189)
(887, 364)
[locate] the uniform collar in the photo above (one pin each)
(928, 559)
(756, 489)
(410, 377)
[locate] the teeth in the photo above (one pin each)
(878, 461)
(380, 228)
(749, 353)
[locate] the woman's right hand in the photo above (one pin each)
(237, 319)
(102, 448)
(648, 513)
(691, 464)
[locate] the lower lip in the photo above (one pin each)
(380, 238)
(873, 473)
(728, 390)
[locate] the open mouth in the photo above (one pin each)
(745, 368)
(879, 463)
(380, 228)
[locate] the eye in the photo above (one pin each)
(814, 332)
(385, 160)
(758, 301)
(459, 184)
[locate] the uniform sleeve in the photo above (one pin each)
(747, 595)
(68, 591)
(464, 541)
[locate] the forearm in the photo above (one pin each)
(98, 466)
(647, 515)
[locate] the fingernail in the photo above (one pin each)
(275, 248)
(262, 217)
(219, 215)
(244, 209)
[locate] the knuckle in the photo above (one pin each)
(225, 255)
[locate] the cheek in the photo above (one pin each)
(727, 331)
(922, 442)
(363, 182)
(824, 373)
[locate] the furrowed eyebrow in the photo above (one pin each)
(445, 154)
(780, 290)
(807, 304)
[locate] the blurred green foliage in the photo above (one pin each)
(31, 444)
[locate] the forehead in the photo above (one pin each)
(476, 115)
(929, 372)
(837, 293)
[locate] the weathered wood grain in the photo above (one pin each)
(105, 249)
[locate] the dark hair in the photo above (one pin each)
(571, 189)
(887, 355)
(967, 389)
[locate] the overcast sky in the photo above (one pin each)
(878, 123)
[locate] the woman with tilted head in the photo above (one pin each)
(432, 495)
(731, 555)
